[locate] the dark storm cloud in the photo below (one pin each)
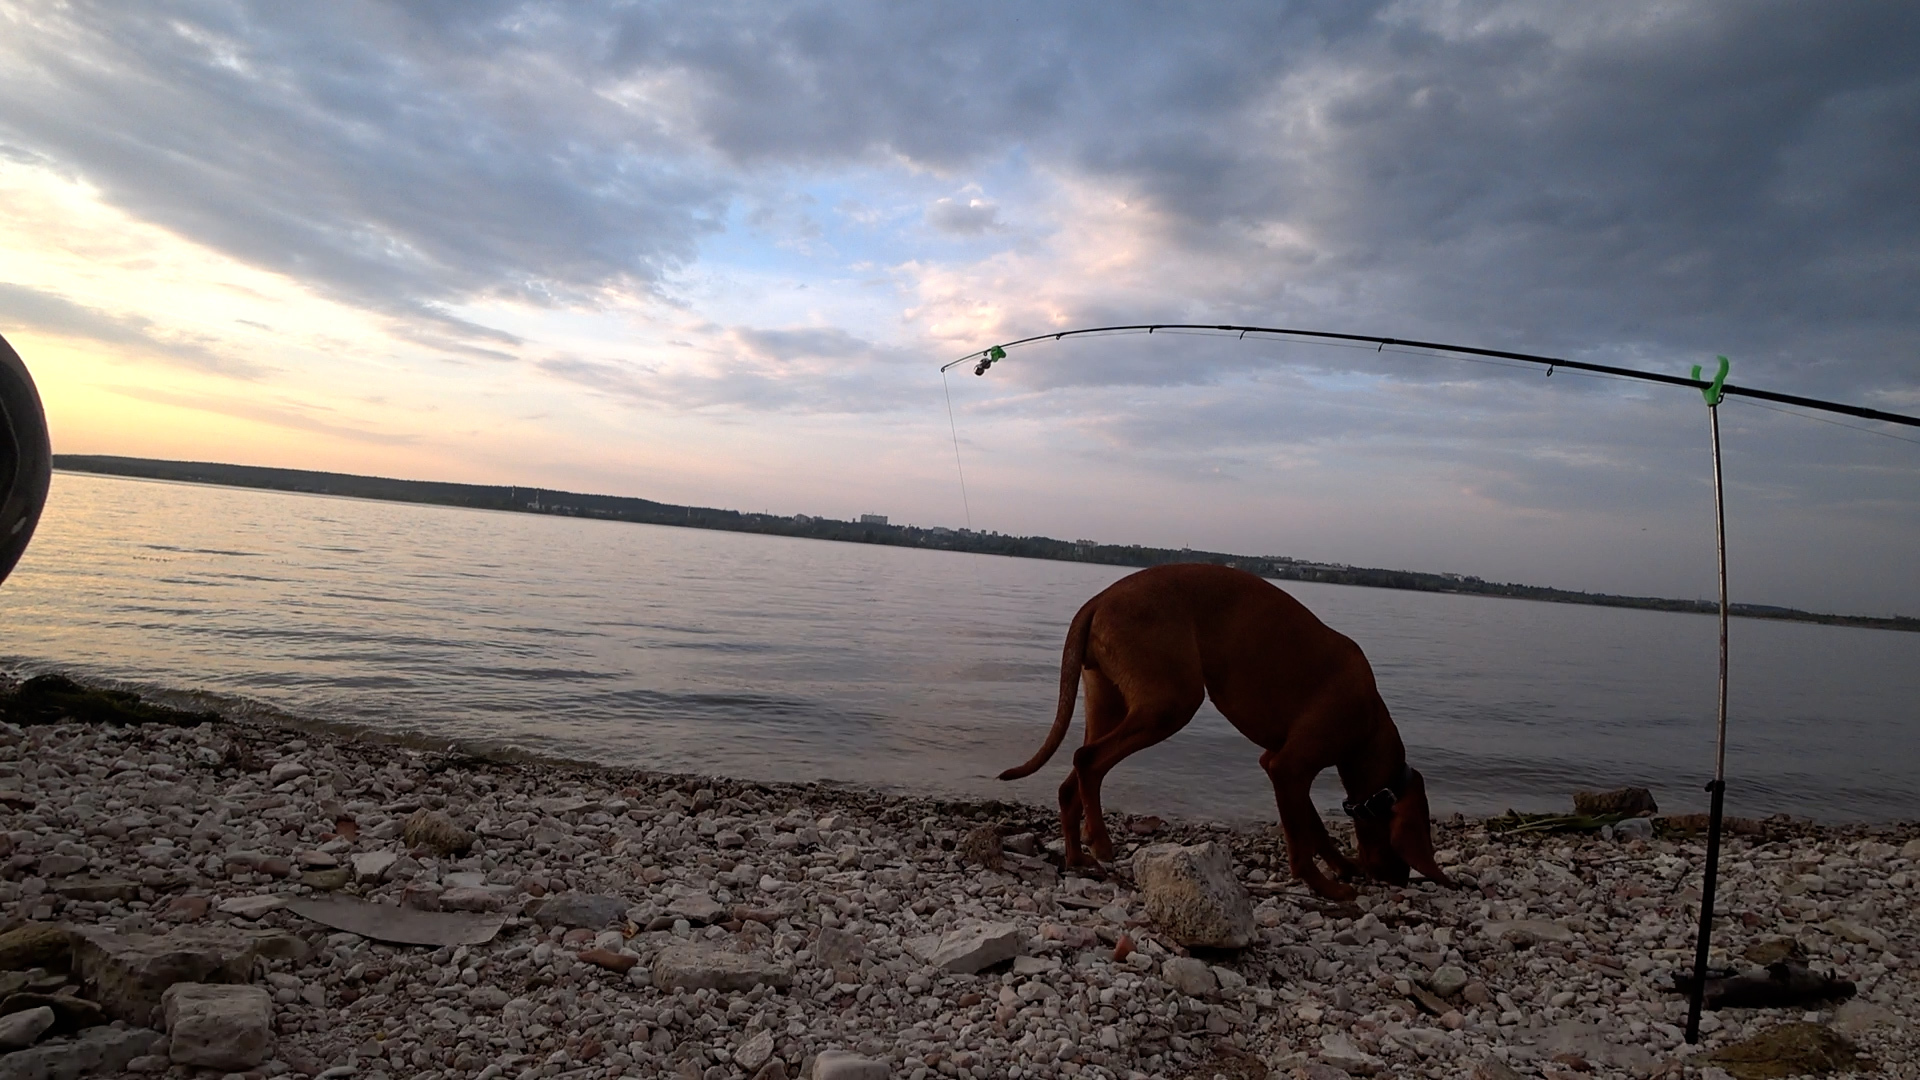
(1634, 180)
(54, 314)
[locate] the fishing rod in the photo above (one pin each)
(986, 358)
(1714, 390)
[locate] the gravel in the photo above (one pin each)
(820, 900)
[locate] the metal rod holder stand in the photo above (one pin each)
(1718, 788)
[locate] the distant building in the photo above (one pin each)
(873, 519)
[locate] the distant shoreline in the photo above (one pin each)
(645, 511)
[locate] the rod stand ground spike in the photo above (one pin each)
(1704, 944)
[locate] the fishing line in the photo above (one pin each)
(1835, 423)
(955, 428)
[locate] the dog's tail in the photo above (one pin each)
(1072, 659)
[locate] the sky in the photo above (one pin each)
(716, 253)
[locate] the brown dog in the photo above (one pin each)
(1155, 644)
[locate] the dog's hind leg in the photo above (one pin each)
(1106, 712)
(1142, 726)
(1306, 833)
(1070, 815)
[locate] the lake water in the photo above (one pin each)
(782, 659)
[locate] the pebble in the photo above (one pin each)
(714, 928)
(24, 1027)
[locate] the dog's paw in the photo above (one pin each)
(1334, 890)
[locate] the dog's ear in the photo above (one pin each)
(1412, 831)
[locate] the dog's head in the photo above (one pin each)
(1392, 847)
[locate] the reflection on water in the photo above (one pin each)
(767, 657)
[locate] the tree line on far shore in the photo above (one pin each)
(646, 511)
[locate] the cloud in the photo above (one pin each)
(803, 370)
(54, 314)
(1709, 179)
(398, 179)
(510, 182)
(970, 218)
(293, 416)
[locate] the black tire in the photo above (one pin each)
(26, 458)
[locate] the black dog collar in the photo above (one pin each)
(1379, 805)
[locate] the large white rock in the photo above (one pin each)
(218, 1026)
(128, 973)
(701, 967)
(1192, 894)
(969, 947)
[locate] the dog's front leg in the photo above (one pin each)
(1306, 833)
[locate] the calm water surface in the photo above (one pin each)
(774, 658)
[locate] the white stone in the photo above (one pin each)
(23, 1028)
(969, 947)
(1187, 975)
(1192, 893)
(698, 908)
(755, 1052)
(370, 866)
(1633, 829)
(252, 907)
(217, 1026)
(1447, 980)
(1856, 1018)
(97, 1051)
(842, 1065)
(1427, 1042)
(1587, 1041)
(285, 771)
(1525, 932)
(702, 967)
(1338, 1051)
(1858, 935)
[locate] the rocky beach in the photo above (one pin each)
(288, 901)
